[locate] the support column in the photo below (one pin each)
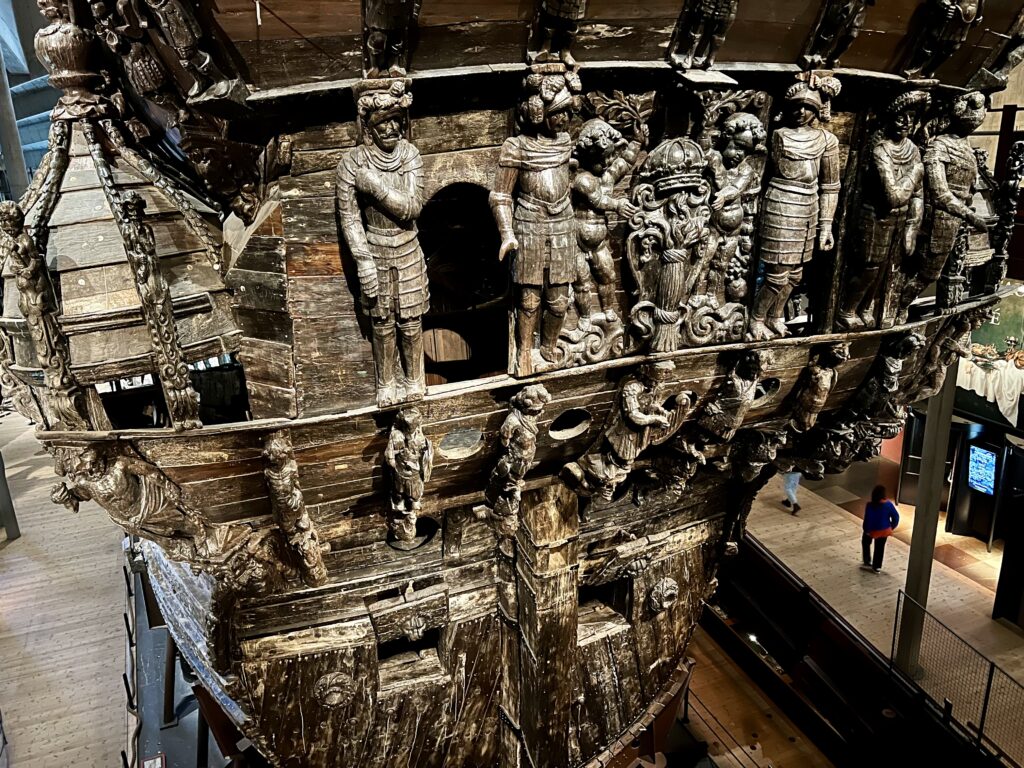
(547, 576)
(926, 518)
(10, 139)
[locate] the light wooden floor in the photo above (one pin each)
(822, 546)
(61, 631)
(742, 728)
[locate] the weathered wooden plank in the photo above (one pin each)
(320, 260)
(96, 243)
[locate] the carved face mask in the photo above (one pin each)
(386, 131)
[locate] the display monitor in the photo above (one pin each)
(981, 475)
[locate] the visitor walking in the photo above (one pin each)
(790, 483)
(880, 519)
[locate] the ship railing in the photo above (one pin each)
(972, 692)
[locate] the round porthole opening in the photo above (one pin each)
(570, 424)
(460, 444)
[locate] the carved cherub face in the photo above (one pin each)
(598, 143)
(411, 418)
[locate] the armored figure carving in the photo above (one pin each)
(410, 458)
(800, 203)
(557, 25)
(700, 32)
(818, 380)
(519, 439)
(603, 158)
(728, 407)
(951, 172)
(736, 168)
(282, 473)
(386, 27)
(876, 398)
(952, 342)
(639, 419)
(532, 205)
(890, 217)
(38, 304)
(840, 24)
(379, 197)
(947, 24)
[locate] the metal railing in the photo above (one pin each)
(970, 690)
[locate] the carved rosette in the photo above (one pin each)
(663, 595)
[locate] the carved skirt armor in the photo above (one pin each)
(882, 235)
(572, 10)
(547, 241)
(401, 274)
(789, 222)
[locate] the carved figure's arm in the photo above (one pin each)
(621, 165)
(427, 460)
(941, 195)
(897, 192)
(587, 185)
(400, 203)
(392, 448)
(351, 219)
(501, 201)
(829, 182)
(632, 409)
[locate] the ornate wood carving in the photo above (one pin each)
(951, 171)
(21, 394)
(700, 32)
(532, 205)
(387, 26)
(800, 202)
(555, 28)
(1006, 202)
(38, 304)
(410, 457)
(282, 473)
(519, 440)
(947, 23)
(379, 197)
(840, 23)
(892, 208)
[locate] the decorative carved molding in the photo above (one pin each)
(700, 32)
(518, 436)
(66, 408)
(379, 190)
(282, 474)
(1006, 204)
(410, 457)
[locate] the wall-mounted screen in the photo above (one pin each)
(981, 475)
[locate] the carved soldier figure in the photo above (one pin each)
(734, 397)
(532, 205)
(183, 33)
(700, 32)
(951, 171)
(519, 438)
(604, 157)
(410, 457)
(557, 24)
(891, 213)
(736, 177)
(819, 379)
(946, 26)
(379, 196)
(38, 304)
(638, 420)
(874, 400)
(839, 27)
(386, 26)
(800, 203)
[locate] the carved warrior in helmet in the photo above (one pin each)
(379, 196)
(951, 172)
(800, 202)
(532, 205)
(890, 216)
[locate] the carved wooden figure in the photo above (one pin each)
(728, 406)
(838, 28)
(640, 419)
(952, 342)
(518, 436)
(800, 203)
(387, 25)
(817, 382)
(38, 304)
(947, 23)
(700, 32)
(556, 28)
(892, 207)
(410, 457)
(379, 197)
(532, 205)
(603, 158)
(951, 171)
(1006, 205)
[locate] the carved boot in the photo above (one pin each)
(526, 326)
(411, 349)
(606, 294)
(384, 361)
(551, 327)
(763, 303)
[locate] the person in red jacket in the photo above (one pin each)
(880, 519)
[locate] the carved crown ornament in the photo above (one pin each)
(408, 353)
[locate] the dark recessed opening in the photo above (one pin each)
(570, 424)
(613, 595)
(426, 530)
(394, 650)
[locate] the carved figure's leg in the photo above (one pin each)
(376, 47)
(527, 312)
(930, 267)
(410, 334)
(861, 283)
(583, 288)
(556, 303)
(604, 274)
(776, 279)
(384, 360)
(776, 315)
